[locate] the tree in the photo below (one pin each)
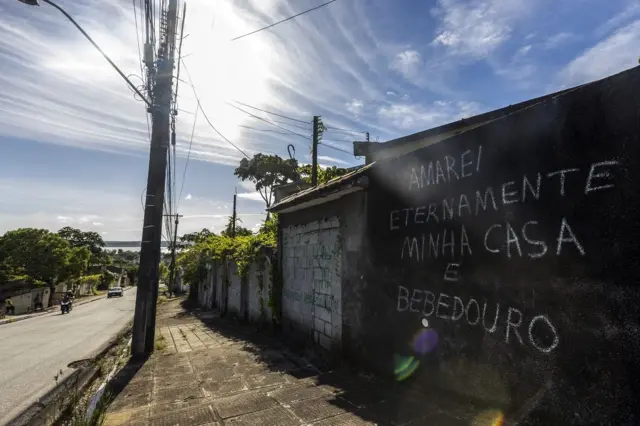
(76, 264)
(91, 240)
(266, 172)
(132, 274)
(240, 230)
(36, 253)
(187, 240)
(324, 175)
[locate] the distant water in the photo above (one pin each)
(164, 249)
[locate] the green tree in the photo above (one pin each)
(266, 172)
(91, 240)
(188, 240)
(37, 253)
(132, 274)
(324, 174)
(76, 264)
(241, 231)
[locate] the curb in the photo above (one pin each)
(26, 317)
(48, 409)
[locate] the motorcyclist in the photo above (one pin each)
(67, 298)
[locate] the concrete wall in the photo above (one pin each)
(502, 264)
(321, 248)
(258, 311)
(311, 286)
(25, 302)
(243, 300)
(234, 306)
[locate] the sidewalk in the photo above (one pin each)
(215, 372)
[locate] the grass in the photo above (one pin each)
(97, 418)
(162, 300)
(161, 342)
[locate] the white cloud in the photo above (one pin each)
(477, 27)
(558, 40)
(629, 13)
(609, 56)
(354, 106)
(64, 92)
(334, 160)
(251, 196)
(407, 63)
(51, 205)
(416, 117)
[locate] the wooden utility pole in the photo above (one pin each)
(314, 151)
(172, 266)
(143, 339)
(234, 217)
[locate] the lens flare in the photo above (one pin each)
(405, 366)
(489, 418)
(425, 341)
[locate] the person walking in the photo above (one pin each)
(37, 302)
(9, 308)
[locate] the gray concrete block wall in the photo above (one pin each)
(312, 290)
(234, 297)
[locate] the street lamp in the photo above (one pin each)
(135, 89)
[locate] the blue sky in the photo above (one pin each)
(74, 139)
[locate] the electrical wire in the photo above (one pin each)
(336, 148)
(337, 129)
(184, 173)
(272, 113)
(264, 130)
(267, 121)
(135, 18)
(195, 93)
(283, 20)
(294, 125)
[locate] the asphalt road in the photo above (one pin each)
(33, 351)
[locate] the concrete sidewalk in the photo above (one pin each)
(215, 372)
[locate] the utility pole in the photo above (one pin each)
(314, 151)
(172, 266)
(143, 340)
(234, 217)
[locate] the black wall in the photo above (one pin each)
(557, 271)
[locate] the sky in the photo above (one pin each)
(74, 139)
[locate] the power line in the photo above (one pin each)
(263, 130)
(284, 20)
(184, 173)
(337, 149)
(266, 121)
(272, 113)
(135, 18)
(293, 125)
(205, 114)
(344, 130)
(88, 37)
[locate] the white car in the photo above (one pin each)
(114, 291)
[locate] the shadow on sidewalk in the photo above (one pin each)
(353, 394)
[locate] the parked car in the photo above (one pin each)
(114, 291)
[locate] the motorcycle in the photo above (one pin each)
(65, 307)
